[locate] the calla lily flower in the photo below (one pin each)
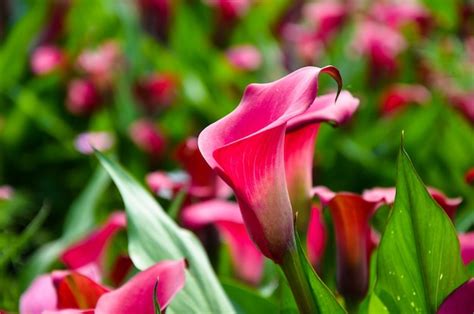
(137, 295)
(380, 43)
(226, 216)
(156, 16)
(351, 215)
(244, 57)
(316, 237)
(147, 137)
(251, 149)
(6, 192)
(396, 15)
(460, 300)
(46, 59)
(230, 9)
(167, 184)
(83, 98)
(86, 142)
(399, 96)
(90, 250)
(388, 196)
(326, 17)
(156, 91)
(467, 247)
(469, 176)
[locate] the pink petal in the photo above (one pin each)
(156, 91)
(147, 137)
(136, 296)
(85, 143)
(83, 97)
(6, 192)
(40, 296)
(247, 149)
(244, 57)
(467, 247)
(247, 259)
(316, 238)
(395, 15)
(46, 59)
(326, 16)
(91, 248)
(70, 311)
(399, 96)
(166, 184)
(460, 300)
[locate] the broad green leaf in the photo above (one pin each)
(78, 220)
(419, 261)
(247, 301)
(154, 236)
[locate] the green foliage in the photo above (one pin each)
(419, 262)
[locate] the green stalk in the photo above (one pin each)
(293, 269)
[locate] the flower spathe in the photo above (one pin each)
(460, 300)
(247, 149)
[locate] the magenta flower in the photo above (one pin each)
(230, 9)
(244, 57)
(101, 64)
(156, 16)
(464, 103)
(250, 150)
(83, 98)
(91, 249)
(85, 143)
(316, 237)
(380, 44)
(6, 192)
(147, 137)
(397, 15)
(226, 216)
(460, 300)
(167, 185)
(351, 215)
(467, 247)
(326, 17)
(387, 195)
(469, 176)
(397, 97)
(46, 59)
(156, 91)
(136, 296)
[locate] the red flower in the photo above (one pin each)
(147, 137)
(82, 97)
(156, 91)
(397, 97)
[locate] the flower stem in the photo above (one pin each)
(292, 267)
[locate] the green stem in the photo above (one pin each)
(292, 267)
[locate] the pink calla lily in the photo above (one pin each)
(399, 96)
(248, 149)
(316, 237)
(226, 216)
(467, 247)
(460, 300)
(137, 295)
(90, 250)
(387, 195)
(351, 215)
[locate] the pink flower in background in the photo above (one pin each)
(244, 57)
(397, 97)
(230, 9)
(248, 149)
(396, 15)
(380, 44)
(102, 63)
(167, 185)
(6, 192)
(91, 249)
(46, 59)
(316, 238)
(156, 16)
(460, 300)
(83, 98)
(86, 142)
(247, 259)
(147, 137)
(204, 181)
(387, 195)
(326, 17)
(467, 247)
(156, 91)
(469, 176)
(351, 215)
(464, 102)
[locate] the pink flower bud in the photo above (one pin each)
(82, 97)
(147, 137)
(244, 57)
(46, 59)
(156, 91)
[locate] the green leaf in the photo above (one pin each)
(419, 261)
(246, 300)
(154, 236)
(79, 219)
